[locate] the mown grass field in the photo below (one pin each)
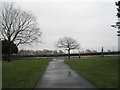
(102, 72)
(0, 74)
(22, 73)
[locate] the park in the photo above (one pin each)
(58, 53)
(24, 73)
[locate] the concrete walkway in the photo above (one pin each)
(60, 75)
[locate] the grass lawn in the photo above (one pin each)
(22, 73)
(0, 74)
(102, 72)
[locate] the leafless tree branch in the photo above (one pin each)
(21, 26)
(68, 44)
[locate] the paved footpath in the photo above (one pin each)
(60, 75)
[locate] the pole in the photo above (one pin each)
(79, 54)
(102, 52)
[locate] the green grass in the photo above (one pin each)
(0, 74)
(102, 72)
(22, 73)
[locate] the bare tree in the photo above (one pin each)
(68, 44)
(18, 26)
(88, 51)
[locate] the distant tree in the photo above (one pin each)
(82, 51)
(68, 44)
(61, 52)
(18, 26)
(45, 51)
(109, 50)
(94, 51)
(88, 51)
(55, 52)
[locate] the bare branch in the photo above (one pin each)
(21, 26)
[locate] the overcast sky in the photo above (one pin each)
(87, 21)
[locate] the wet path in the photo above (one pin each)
(60, 75)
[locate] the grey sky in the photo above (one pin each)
(87, 22)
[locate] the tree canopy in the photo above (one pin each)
(18, 25)
(68, 44)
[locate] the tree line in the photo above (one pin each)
(40, 52)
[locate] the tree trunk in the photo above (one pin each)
(5, 57)
(79, 55)
(102, 52)
(69, 53)
(9, 48)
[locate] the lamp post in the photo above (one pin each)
(117, 25)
